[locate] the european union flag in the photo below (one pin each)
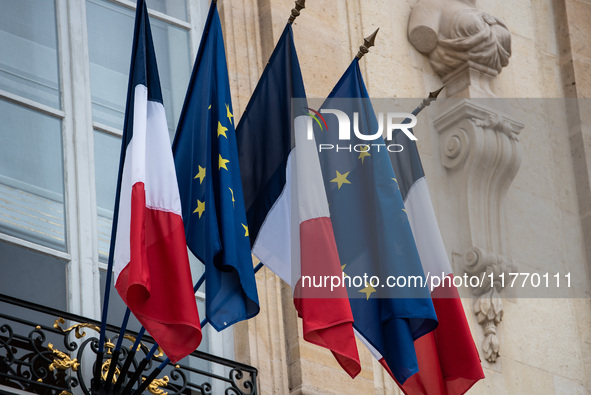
(372, 231)
(210, 186)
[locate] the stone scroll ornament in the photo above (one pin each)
(453, 33)
(467, 48)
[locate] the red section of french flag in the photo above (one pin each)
(149, 284)
(327, 318)
(448, 359)
(297, 240)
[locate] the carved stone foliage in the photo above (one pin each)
(454, 34)
(479, 146)
(488, 305)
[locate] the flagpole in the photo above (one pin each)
(100, 347)
(295, 12)
(133, 350)
(159, 369)
(368, 42)
(426, 102)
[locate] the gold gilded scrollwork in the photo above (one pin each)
(77, 328)
(61, 360)
(105, 371)
(154, 387)
(108, 345)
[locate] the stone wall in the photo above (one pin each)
(545, 215)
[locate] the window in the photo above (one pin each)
(28, 60)
(110, 32)
(64, 68)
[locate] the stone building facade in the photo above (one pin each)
(506, 151)
(537, 201)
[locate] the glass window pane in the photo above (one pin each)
(32, 276)
(31, 176)
(106, 160)
(28, 59)
(110, 34)
(174, 8)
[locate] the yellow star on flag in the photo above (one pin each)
(221, 130)
(228, 113)
(362, 155)
(232, 192)
(222, 163)
(201, 174)
(343, 270)
(368, 290)
(245, 230)
(200, 208)
(341, 179)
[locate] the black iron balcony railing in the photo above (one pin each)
(58, 358)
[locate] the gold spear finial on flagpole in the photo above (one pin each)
(368, 42)
(295, 12)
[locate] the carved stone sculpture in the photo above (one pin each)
(454, 34)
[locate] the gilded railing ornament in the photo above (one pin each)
(61, 360)
(105, 371)
(154, 387)
(77, 328)
(37, 366)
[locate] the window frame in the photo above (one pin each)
(77, 127)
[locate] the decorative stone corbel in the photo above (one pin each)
(479, 147)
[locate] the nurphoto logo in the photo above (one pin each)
(393, 120)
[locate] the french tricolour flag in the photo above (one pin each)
(150, 260)
(448, 359)
(306, 247)
(286, 205)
